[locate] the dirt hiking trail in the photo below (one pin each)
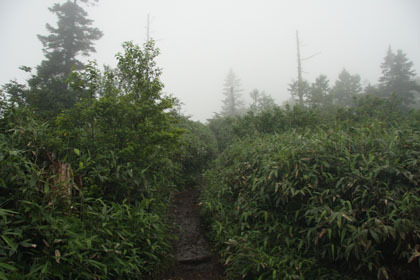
(194, 259)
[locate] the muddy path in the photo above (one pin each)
(194, 258)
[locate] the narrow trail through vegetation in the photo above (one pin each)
(194, 259)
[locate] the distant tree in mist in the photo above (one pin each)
(232, 103)
(312, 95)
(346, 88)
(398, 77)
(291, 102)
(74, 35)
(255, 95)
(299, 90)
(371, 90)
(319, 92)
(261, 101)
(398, 81)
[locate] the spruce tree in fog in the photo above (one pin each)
(398, 77)
(318, 93)
(346, 88)
(74, 36)
(232, 104)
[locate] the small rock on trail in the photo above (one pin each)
(194, 259)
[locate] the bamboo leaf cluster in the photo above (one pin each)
(85, 196)
(339, 201)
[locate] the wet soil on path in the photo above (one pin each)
(194, 258)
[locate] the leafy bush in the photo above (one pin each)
(89, 238)
(128, 137)
(87, 198)
(319, 204)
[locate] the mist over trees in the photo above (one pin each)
(47, 90)
(232, 103)
(73, 36)
(260, 102)
(397, 80)
(319, 92)
(398, 77)
(346, 89)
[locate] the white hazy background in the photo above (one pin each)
(201, 40)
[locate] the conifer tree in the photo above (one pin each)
(318, 93)
(346, 88)
(232, 104)
(74, 35)
(398, 77)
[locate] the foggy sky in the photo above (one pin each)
(201, 40)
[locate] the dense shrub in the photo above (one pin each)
(85, 197)
(281, 119)
(319, 204)
(127, 136)
(44, 236)
(274, 120)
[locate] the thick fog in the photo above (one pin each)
(201, 40)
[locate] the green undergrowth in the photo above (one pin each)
(339, 202)
(84, 195)
(47, 235)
